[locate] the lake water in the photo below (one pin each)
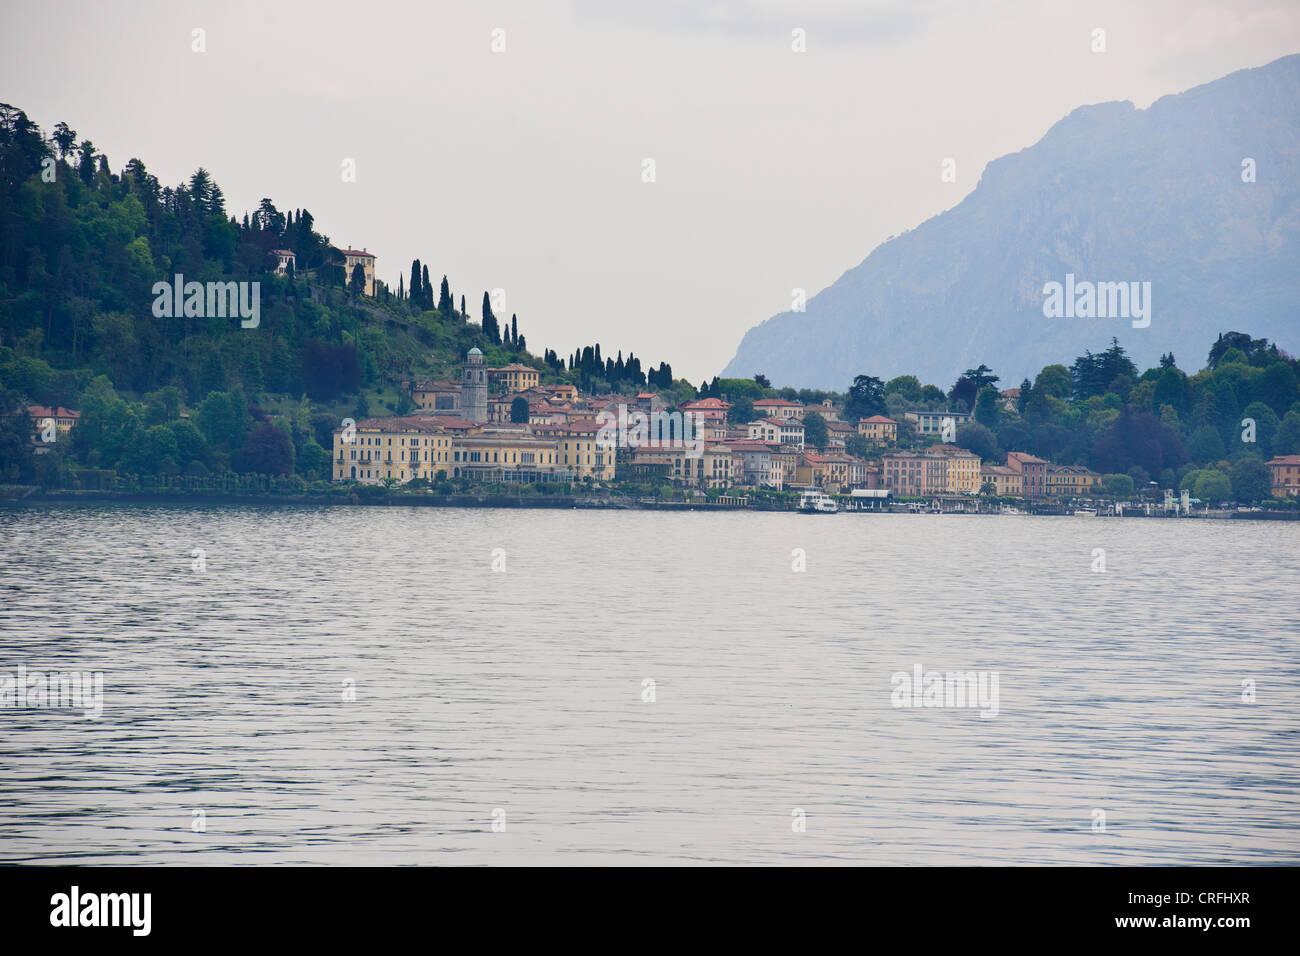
(504, 716)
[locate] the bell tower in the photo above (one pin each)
(474, 388)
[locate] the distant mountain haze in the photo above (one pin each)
(1111, 194)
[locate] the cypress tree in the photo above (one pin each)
(514, 330)
(426, 291)
(445, 304)
(489, 321)
(415, 282)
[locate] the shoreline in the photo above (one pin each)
(15, 496)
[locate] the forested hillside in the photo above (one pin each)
(81, 249)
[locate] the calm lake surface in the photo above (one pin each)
(523, 691)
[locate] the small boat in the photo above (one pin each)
(817, 502)
(1085, 512)
(1010, 510)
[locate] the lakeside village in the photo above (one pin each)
(501, 431)
(267, 350)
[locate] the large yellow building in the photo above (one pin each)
(359, 257)
(507, 454)
(878, 429)
(581, 448)
(515, 376)
(397, 448)
(1285, 472)
(1007, 482)
(1071, 480)
(961, 469)
(421, 446)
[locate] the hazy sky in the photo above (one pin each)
(523, 169)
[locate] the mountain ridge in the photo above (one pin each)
(1110, 192)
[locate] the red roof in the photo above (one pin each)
(1285, 460)
(45, 411)
(776, 403)
(705, 403)
(357, 252)
(880, 420)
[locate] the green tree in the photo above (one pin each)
(815, 434)
(1118, 486)
(987, 408)
(983, 376)
(1212, 487)
(1252, 481)
(357, 284)
(866, 398)
(519, 410)
(312, 460)
(1278, 387)
(268, 451)
(1172, 390)
(1205, 445)
(978, 439)
(190, 444)
(16, 458)
(1266, 426)
(64, 138)
(1054, 380)
(1286, 440)
(906, 387)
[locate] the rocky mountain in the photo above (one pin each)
(1199, 195)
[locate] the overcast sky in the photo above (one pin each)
(523, 169)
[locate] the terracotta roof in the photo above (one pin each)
(880, 420)
(395, 423)
(46, 411)
(706, 403)
(357, 252)
(1285, 460)
(776, 403)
